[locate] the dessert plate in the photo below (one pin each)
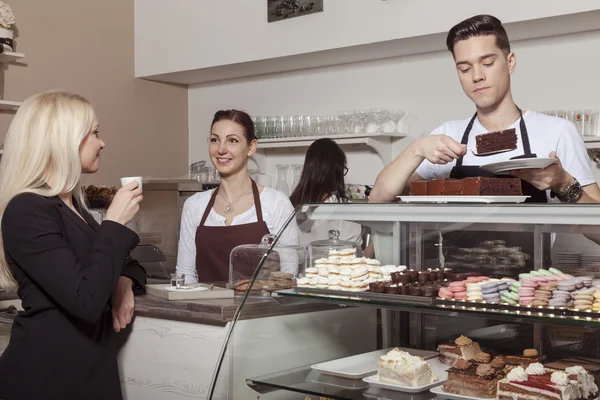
(437, 367)
(520, 163)
(362, 365)
(441, 395)
(463, 199)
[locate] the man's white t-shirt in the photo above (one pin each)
(546, 134)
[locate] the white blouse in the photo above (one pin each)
(276, 209)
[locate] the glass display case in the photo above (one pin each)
(517, 281)
(280, 266)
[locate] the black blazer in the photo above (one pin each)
(62, 345)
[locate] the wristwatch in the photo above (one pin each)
(570, 193)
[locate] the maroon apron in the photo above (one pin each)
(214, 243)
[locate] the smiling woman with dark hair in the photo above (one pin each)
(237, 212)
(322, 181)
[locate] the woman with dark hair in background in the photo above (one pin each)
(237, 212)
(322, 181)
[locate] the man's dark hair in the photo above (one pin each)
(479, 25)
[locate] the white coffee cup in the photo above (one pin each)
(125, 181)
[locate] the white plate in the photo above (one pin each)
(521, 163)
(439, 391)
(362, 365)
(186, 289)
(437, 367)
(463, 199)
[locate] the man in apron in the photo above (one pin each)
(484, 63)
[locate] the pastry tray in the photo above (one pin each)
(365, 296)
(363, 365)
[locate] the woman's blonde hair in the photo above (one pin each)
(41, 153)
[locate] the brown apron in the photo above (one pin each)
(214, 243)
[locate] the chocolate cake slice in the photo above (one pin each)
(436, 187)
(496, 141)
(418, 188)
(479, 381)
(480, 186)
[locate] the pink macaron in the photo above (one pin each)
(525, 301)
(445, 293)
(526, 291)
(528, 283)
(460, 295)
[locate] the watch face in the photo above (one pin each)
(574, 193)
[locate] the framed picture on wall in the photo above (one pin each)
(278, 10)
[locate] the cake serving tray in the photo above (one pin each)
(363, 365)
(438, 368)
(441, 395)
(463, 199)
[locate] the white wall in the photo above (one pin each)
(191, 34)
(557, 72)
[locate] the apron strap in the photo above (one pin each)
(210, 205)
(524, 138)
(465, 138)
(257, 206)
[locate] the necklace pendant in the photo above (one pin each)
(228, 209)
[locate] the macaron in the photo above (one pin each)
(545, 272)
(539, 303)
(508, 300)
(521, 276)
(526, 301)
(458, 288)
(445, 293)
(460, 295)
(557, 302)
(554, 271)
(511, 295)
(491, 297)
(535, 273)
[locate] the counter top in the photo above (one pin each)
(219, 311)
(213, 312)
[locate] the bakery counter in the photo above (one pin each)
(171, 350)
(220, 311)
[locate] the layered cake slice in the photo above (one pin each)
(480, 186)
(493, 142)
(400, 368)
(480, 381)
(463, 347)
(537, 382)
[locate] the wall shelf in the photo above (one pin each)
(6, 105)
(592, 142)
(381, 142)
(10, 56)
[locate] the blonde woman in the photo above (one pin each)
(66, 266)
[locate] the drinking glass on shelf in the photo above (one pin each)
(396, 116)
(331, 125)
(307, 125)
(370, 121)
(381, 115)
(296, 122)
(345, 121)
(270, 128)
(589, 127)
(570, 115)
(358, 124)
(319, 125)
